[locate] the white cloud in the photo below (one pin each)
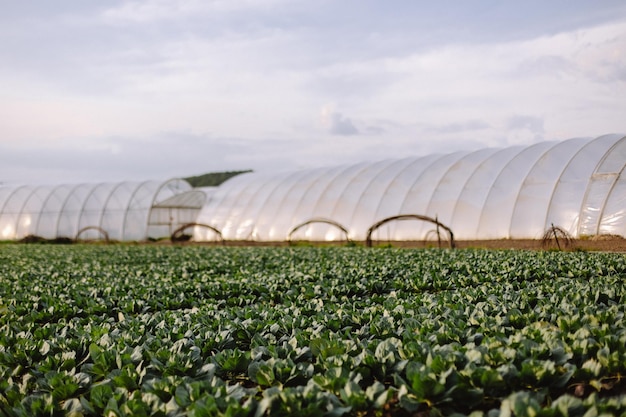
(534, 124)
(336, 123)
(259, 70)
(525, 129)
(463, 127)
(342, 125)
(144, 11)
(491, 82)
(156, 10)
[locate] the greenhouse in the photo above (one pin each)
(518, 192)
(116, 211)
(515, 193)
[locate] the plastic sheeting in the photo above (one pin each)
(53, 211)
(180, 210)
(515, 193)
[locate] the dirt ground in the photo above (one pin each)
(602, 243)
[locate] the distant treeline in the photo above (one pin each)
(213, 179)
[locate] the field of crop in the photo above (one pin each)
(121, 330)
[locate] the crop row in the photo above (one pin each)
(199, 331)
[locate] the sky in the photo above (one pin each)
(94, 91)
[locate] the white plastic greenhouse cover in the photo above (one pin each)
(516, 193)
(52, 211)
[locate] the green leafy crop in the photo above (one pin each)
(90, 330)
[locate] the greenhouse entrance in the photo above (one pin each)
(169, 215)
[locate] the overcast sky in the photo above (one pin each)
(132, 90)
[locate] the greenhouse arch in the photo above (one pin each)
(320, 220)
(438, 224)
(177, 234)
(98, 229)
